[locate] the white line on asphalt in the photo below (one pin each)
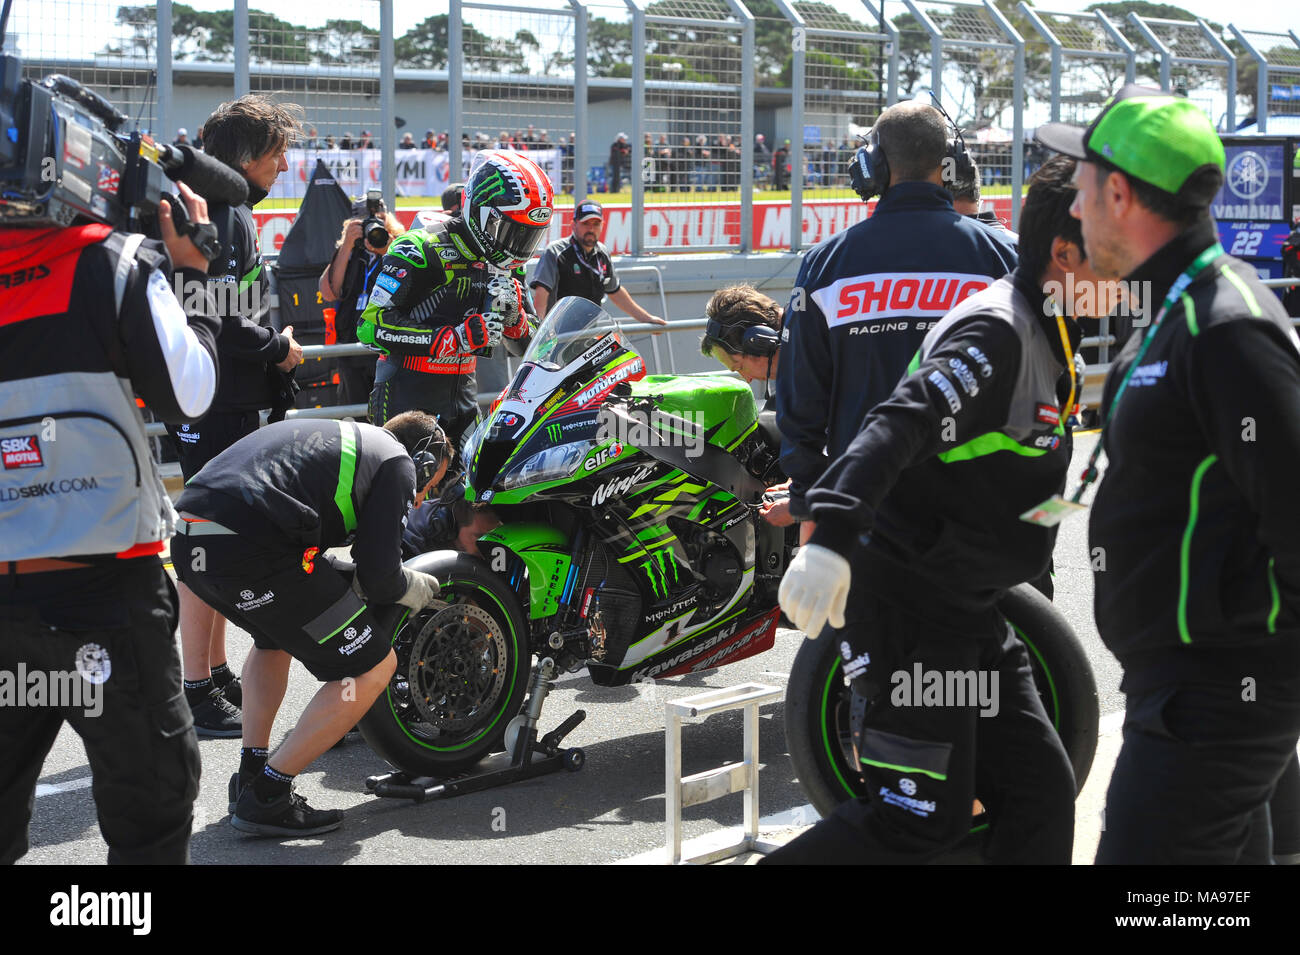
(799, 816)
(50, 789)
(1110, 723)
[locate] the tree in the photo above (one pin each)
(609, 47)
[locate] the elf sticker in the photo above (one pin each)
(24, 452)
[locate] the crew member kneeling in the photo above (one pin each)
(257, 521)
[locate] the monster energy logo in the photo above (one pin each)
(490, 188)
(462, 287)
(658, 569)
(553, 432)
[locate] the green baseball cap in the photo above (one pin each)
(1151, 135)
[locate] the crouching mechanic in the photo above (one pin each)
(444, 296)
(936, 482)
(256, 522)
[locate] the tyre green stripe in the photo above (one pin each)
(495, 719)
(826, 739)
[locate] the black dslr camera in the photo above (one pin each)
(373, 228)
(62, 158)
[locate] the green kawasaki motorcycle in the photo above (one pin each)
(631, 545)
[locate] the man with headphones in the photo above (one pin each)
(256, 523)
(744, 335)
(865, 298)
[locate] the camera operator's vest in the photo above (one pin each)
(77, 477)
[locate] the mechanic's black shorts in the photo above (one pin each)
(286, 600)
(200, 442)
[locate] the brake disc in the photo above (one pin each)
(457, 667)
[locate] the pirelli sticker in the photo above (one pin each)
(23, 452)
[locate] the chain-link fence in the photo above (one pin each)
(1272, 60)
(689, 88)
(978, 74)
(1193, 62)
(840, 82)
(111, 48)
(692, 106)
(517, 86)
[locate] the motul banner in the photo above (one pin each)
(678, 227)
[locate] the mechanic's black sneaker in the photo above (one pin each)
(217, 717)
(233, 691)
(233, 791)
(288, 815)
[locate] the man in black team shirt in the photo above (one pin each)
(256, 522)
(926, 517)
(1199, 597)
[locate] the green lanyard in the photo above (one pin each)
(1175, 291)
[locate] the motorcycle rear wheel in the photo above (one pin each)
(817, 702)
(462, 671)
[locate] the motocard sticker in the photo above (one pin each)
(388, 282)
(23, 452)
(109, 180)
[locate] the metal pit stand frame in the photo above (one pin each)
(714, 783)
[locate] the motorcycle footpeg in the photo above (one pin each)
(551, 741)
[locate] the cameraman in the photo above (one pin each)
(349, 279)
(82, 589)
(250, 135)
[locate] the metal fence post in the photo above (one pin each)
(579, 144)
(242, 85)
(455, 92)
(638, 120)
(163, 58)
(746, 128)
(800, 58)
(388, 138)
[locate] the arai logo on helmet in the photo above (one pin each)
(540, 214)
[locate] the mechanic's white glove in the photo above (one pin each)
(814, 589)
(421, 589)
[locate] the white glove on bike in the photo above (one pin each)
(814, 589)
(496, 327)
(421, 589)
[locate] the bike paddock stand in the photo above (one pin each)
(527, 756)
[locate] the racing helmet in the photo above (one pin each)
(508, 207)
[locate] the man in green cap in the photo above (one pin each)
(1194, 535)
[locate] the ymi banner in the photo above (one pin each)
(420, 172)
(680, 227)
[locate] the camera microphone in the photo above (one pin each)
(210, 178)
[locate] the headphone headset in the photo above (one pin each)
(869, 169)
(428, 457)
(757, 339)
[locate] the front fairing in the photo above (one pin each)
(545, 429)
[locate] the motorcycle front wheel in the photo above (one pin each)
(820, 738)
(462, 671)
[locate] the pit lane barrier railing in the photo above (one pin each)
(1090, 395)
(698, 788)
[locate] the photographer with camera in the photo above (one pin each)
(88, 321)
(250, 135)
(349, 279)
